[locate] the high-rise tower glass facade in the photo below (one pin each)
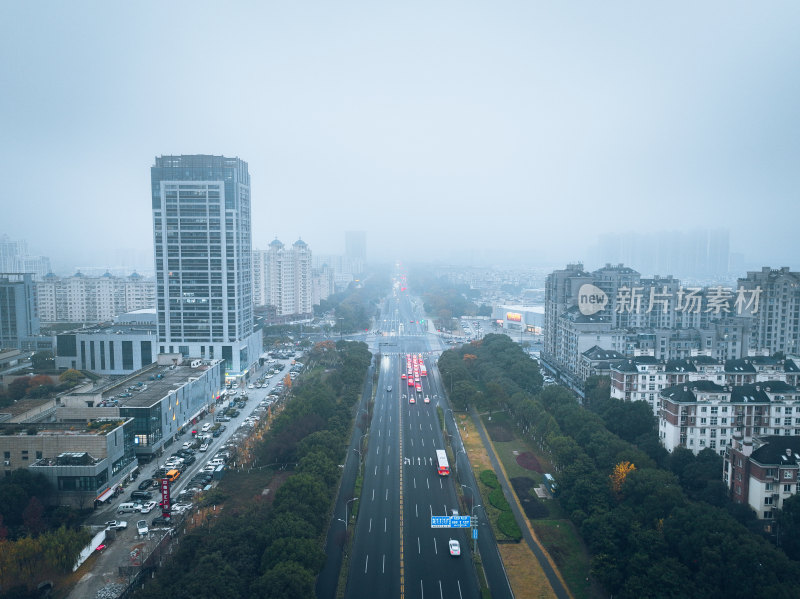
(202, 241)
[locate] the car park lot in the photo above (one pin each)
(123, 539)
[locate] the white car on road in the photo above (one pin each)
(148, 507)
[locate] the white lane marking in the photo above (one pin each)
(383, 568)
(428, 482)
(387, 495)
(459, 589)
(421, 590)
(415, 483)
(435, 548)
(370, 525)
(373, 494)
(419, 546)
(376, 470)
(431, 425)
(440, 590)
(412, 442)
(378, 452)
(389, 450)
(423, 442)
(431, 508)
(387, 468)
(366, 563)
(420, 426)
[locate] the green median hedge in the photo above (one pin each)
(508, 526)
(489, 478)
(498, 500)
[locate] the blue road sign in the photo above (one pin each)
(451, 522)
(474, 533)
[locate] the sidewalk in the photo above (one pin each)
(528, 535)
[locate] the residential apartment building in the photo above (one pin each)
(284, 277)
(762, 472)
(703, 414)
(92, 299)
(616, 309)
(775, 317)
(19, 321)
(203, 253)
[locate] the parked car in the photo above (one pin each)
(117, 524)
(141, 527)
(147, 507)
(204, 447)
(145, 484)
(146, 495)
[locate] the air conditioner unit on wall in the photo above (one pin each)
(7, 462)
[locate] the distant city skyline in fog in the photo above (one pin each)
(520, 133)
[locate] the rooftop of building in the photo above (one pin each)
(68, 458)
(763, 387)
(22, 406)
(777, 450)
(598, 353)
(64, 427)
(149, 386)
(688, 393)
(740, 366)
(680, 366)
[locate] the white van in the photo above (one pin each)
(206, 427)
(128, 508)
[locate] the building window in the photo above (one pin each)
(787, 488)
(768, 500)
(768, 515)
(788, 474)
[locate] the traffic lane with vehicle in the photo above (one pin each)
(430, 569)
(487, 545)
(375, 561)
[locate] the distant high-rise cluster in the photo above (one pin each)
(697, 254)
(14, 257)
(616, 309)
(355, 246)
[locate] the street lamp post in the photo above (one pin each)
(472, 518)
(345, 509)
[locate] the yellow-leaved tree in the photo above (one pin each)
(619, 475)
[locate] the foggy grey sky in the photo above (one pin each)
(435, 126)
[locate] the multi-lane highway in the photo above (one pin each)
(395, 551)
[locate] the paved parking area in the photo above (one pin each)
(126, 547)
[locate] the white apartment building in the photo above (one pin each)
(92, 299)
(282, 278)
(703, 414)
